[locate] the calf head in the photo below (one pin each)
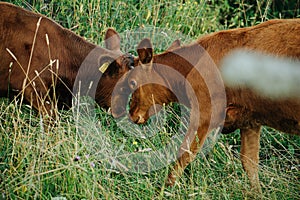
(145, 83)
(112, 65)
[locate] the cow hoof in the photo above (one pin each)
(170, 181)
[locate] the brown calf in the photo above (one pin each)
(244, 109)
(40, 59)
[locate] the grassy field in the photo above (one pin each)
(44, 159)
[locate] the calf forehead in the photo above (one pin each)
(146, 74)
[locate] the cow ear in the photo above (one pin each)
(145, 51)
(174, 45)
(112, 40)
(105, 63)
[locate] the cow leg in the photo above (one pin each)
(187, 154)
(250, 155)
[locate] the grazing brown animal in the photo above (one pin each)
(244, 109)
(40, 60)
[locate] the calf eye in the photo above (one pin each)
(133, 84)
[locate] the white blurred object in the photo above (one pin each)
(271, 76)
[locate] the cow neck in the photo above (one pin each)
(77, 50)
(177, 59)
(181, 60)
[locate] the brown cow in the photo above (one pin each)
(244, 109)
(40, 60)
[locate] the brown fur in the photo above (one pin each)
(245, 110)
(17, 29)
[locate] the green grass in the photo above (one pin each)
(48, 158)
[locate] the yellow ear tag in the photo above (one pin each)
(104, 67)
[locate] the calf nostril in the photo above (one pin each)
(141, 120)
(137, 119)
